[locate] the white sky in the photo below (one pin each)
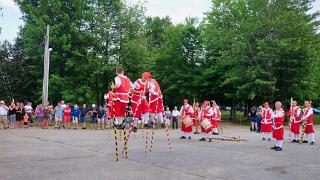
(178, 10)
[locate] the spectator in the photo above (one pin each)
(94, 116)
(101, 114)
(75, 116)
(28, 109)
(25, 120)
(83, 116)
(253, 118)
(58, 113)
(129, 116)
(175, 116)
(259, 118)
(46, 116)
(39, 114)
(18, 115)
(4, 114)
(12, 115)
(167, 116)
(67, 116)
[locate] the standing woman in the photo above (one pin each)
(18, 115)
(12, 115)
(39, 114)
(46, 116)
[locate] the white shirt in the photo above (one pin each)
(3, 110)
(28, 108)
(175, 113)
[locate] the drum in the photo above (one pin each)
(187, 121)
(206, 124)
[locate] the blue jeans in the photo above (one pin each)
(94, 120)
(83, 119)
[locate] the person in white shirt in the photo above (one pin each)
(4, 114)
(175, 117)
(167, 116)
(28, 109)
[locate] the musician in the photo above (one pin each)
(216, 117)
(295, 120)
(278, 132)
(196, 117)
(308, 117)
(266, 123)
(122, 87)
(139, 102)
(186, 114)
(155, 101)
(206, 125)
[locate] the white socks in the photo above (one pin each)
(279, 143)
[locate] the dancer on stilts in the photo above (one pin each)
(186, 114)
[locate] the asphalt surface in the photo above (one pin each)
(90, 154)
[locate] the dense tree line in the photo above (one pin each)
(242, 53)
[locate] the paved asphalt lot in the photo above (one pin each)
(89, 154)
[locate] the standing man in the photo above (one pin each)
(278, 132)
(295, 120)
(155, 101)
(28, 109)
(259, 118)
(266, 123)
(58, 114)
(121, 87)
(216, 117)
(196, 117)
(167, 116)
(186, 113)
(206, 122)
(4, 114)
(139, 102)
(253, 118)
(308, 119)
(83, 116)
(175, 117)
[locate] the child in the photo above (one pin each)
(67, 116)
(101, 115)
(25, 120)
(75, 115)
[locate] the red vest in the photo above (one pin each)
(278, 122)
(157, 90)
(122, 92)
(185, 111)
(294, 114)
(196, 113)
(142, 88)
(206, 113)
(216, 113)
(310, 118)
(266, 116)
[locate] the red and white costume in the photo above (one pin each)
(139, 101)
(295, 121)
(278, 132)
(266, 122)
(206, 113)
(186, 111)
(196, 117)
(121, 97)
(108, 99)
(155, 101)
(308, 116)
(216, 117)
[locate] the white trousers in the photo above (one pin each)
(310, 137)
(279, 143)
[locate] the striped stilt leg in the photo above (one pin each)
(168, 136)
(125, 142)
(116, 142)
(146, 145)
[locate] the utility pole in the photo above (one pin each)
(46, 68)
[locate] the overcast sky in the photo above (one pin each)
(178, 10)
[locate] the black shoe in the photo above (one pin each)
(215, 133)
(202, 139)
(83, 128)
(189, 137)
(254, 129)
(210, 139)
(278, 149)
(182, 137)
(312, 143)
(294, 141)
(263, 139)
(269, 139)
(274, 147)
(135, 129)
(304, 141)
(258, 131)
(250, 129)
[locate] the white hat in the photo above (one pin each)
(2, 102)
(93, 105)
